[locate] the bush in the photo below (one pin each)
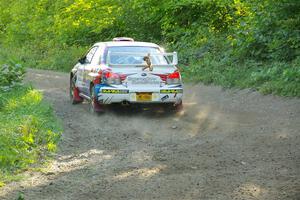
(279, 78)
(11, 73)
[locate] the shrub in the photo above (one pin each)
(11, 73)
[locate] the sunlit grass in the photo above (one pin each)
(28, 131)
(27, 97)
(32, 97)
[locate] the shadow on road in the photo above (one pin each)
(149, 111)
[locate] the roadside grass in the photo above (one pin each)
(29, 131)
(279, 78)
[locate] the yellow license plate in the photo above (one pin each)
(144, 96)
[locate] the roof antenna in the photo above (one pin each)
(148, 62)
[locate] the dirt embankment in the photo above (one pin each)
(225, 145)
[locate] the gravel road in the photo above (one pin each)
(225, 144)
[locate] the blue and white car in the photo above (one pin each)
(127, 72)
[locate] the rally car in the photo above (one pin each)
(126, 72)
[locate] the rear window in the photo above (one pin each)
(134, 55)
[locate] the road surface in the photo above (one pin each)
(225, 144)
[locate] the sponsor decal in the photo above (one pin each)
(172, 91)
(113, 91)
(165, 98)
(106, 100)
(98, 88)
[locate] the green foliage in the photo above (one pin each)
(268, 31)
(216, 36)
(28, 129)
(10, 73)
(20, 196)
(277, 78)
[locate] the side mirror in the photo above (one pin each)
(82, 60)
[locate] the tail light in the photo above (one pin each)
(174, 78)
(111, 78)
(163, 77)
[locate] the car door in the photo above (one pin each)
(85, 69)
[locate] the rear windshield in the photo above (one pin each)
(134, 55)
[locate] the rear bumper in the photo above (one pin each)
(108, 94)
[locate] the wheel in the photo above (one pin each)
(74, 92)
(95, 107)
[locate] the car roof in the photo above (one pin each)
(123, 43)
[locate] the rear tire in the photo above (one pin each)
(74, 92)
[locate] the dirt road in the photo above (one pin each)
(228, 144)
